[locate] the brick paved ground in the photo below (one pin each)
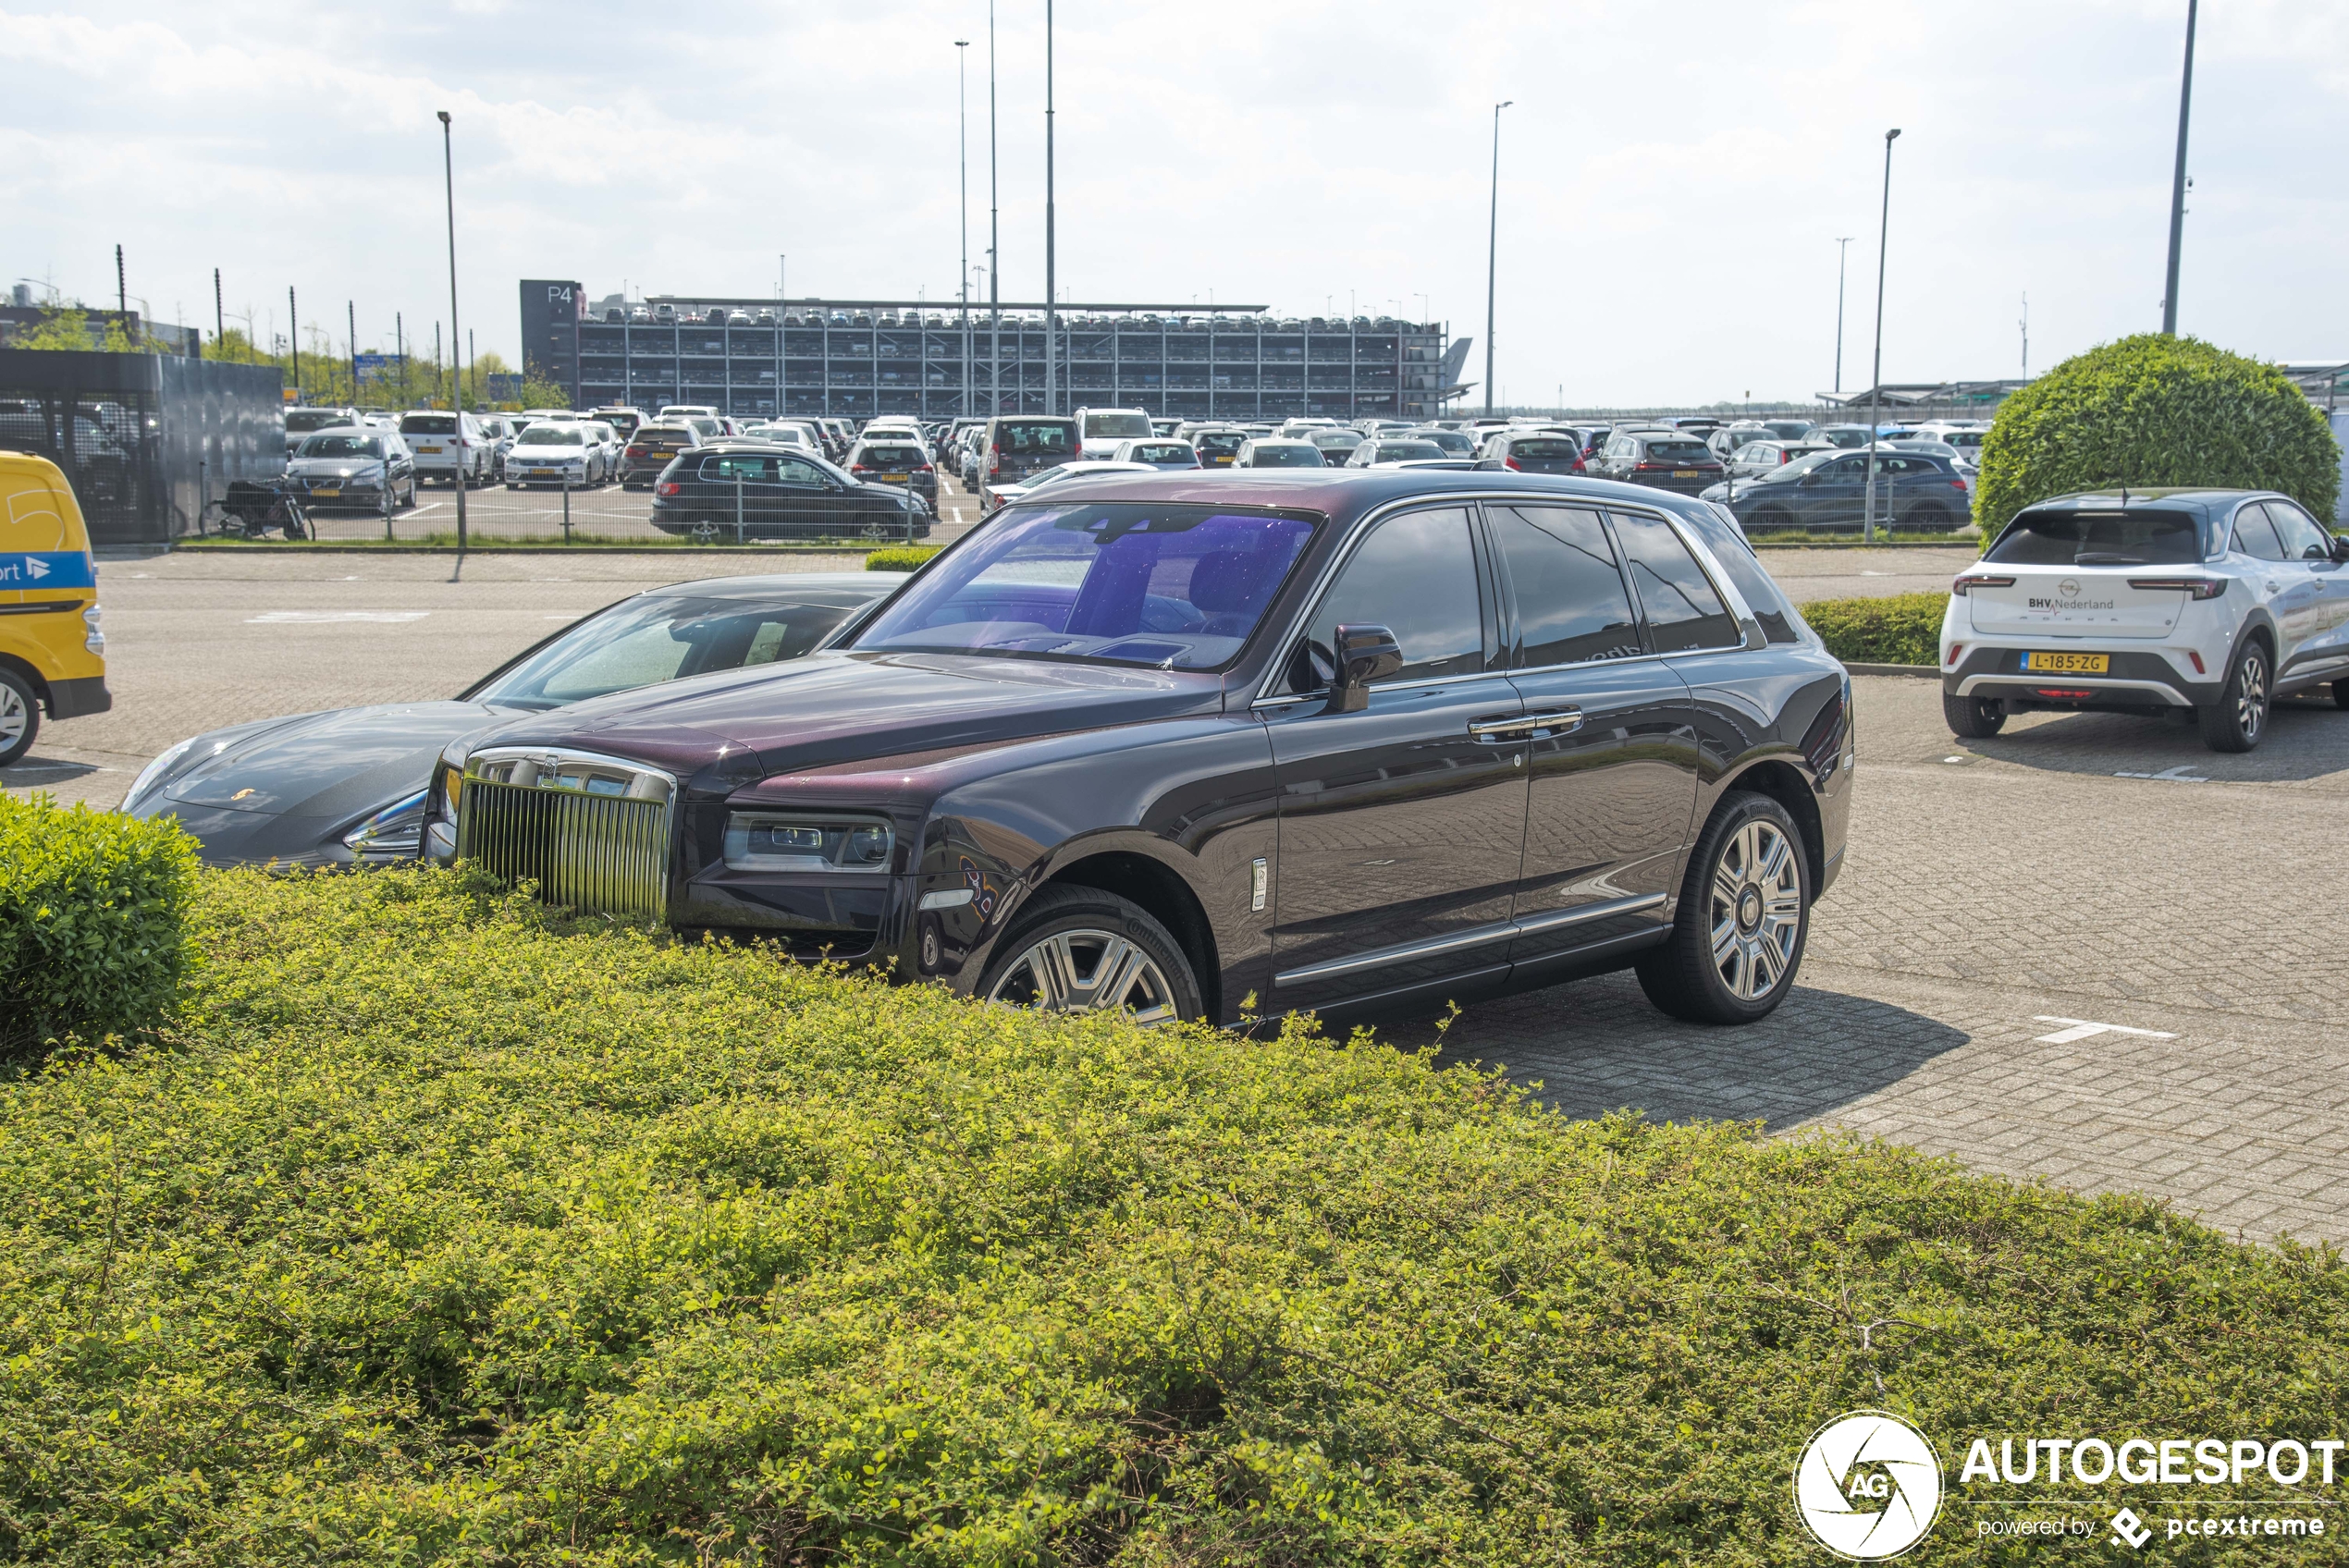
(2020, 881)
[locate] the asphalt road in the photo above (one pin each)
(2088, 949)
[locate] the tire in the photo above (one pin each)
(1769, 520)
(1926, 519)
(19, 717)
(2341, 694)
(1745, 908)
(1974, 718)
(1074, 945)
(2238, 720)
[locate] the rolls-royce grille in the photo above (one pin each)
(586, 849)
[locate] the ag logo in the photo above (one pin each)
(1868, 1486)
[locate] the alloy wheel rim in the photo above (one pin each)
(12, 716)
(1085, 972)
(2251, 699)
(1756, 910)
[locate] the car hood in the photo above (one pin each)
(336, 766)
(845, 707)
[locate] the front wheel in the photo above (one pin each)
(2237, 720)
(1974, 718)
(19, 717)
(1081, 950)
(1745, 912)
(2341, 694)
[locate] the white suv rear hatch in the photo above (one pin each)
(2083, 601)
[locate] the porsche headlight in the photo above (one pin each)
(396, 831)
(152, 776)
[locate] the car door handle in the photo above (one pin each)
(1561, 721)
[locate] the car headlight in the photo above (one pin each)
(95, 641)
(757, 840)
(398, 830)
(152, 774)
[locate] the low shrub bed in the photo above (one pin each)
(901, 558)
(437, 1230)
(91, 910)
(1901, 629)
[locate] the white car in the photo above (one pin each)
(567, 454)
(436, 437)
(2208, 602)
(1099, 431)
(999, 494)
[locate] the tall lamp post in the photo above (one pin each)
(448, 177)
(1875, 384)
(1492, 253)
(994, 239)
(1052, 384)
(2178, 184)
(1842, 249)
(963, 143)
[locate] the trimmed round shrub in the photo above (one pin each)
(2156, 411)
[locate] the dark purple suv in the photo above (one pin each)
(1186, 746)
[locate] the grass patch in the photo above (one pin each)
(1898, 629)
(1849, 538)
(438, 1230)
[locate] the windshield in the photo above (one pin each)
(551, 435)
(1218, 441)
(1112, 583)
(2098, 539)
(1336, 440)
(1451, 442)
(664, 637)
(1803, 464)
(1054, 437)
(1164, 452)
(1544, 448)
(1285, 454)
(1679, 452)
(894, 456)
(428, 424)
(1414, 451)
(1789, 429)
(664, 432)
(340, 446)
(1101, 427)
(302, 420)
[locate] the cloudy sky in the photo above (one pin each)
(1673, 178)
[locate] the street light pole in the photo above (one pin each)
(351, 308)
(293, 342)
(1842, 249)
(449, 178)
(2178, 184)
(1492, 253)
(963, 144)
(1052, 384)
(994, 239)
(1875, 384)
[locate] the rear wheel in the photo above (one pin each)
(1769, 520)
(1927, 517)
(2341, 694)
(2237, 720)
(1745, 912)
(19, 717)
(1081, 950)
(1974, 718)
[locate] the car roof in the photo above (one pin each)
(780, 582)
(2201, 500)
(1347, 493)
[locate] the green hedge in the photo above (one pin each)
(91, 910)
(1901, 628)
(2150, 411)
(903, 557)
(444, 1234)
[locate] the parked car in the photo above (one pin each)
(1663, 459)
(652, 449)
(1117, 750)
(1828, 490)
(783, 493)
(570, 457)
(1217, 445)
(1757, 457)
(1730, 438)
(1156, 452)
(346, 786)
(1392, 449)
(1103, 429)
(500, 432)
(2208, 602)
(1844, 435)
(352, 466)
(1335, 443)
(1792, 429)
(1544, 452)
(1018, 446)
(307, 421)
(52, 650)
(1454, 443)
(622, 418)
(1003, 494)
(1278, 452)
(687, 410)
(887, 459)
(443, 443)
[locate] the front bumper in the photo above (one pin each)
(2135, 677)
(77, 699)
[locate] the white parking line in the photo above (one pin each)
(2087, 1029)
(2177, 775)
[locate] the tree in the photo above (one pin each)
(2156, 411)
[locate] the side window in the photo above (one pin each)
(751, 468)
(1571, 603)
(1416, 575)
(2302, 539)
(2255, 535)
(798, 470)
(1684, 613)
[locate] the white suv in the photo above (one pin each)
(1101, 430)
(2151, 602)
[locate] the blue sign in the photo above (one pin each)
(38, 570)
(381, 367)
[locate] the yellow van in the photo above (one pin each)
(52, 653)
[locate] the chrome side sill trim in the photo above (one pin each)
(1411, 951)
